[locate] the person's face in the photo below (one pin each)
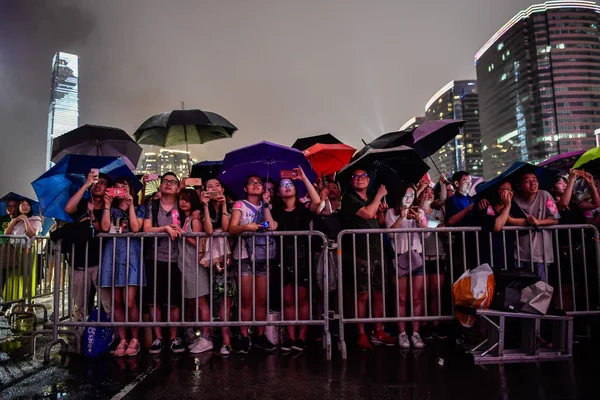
(427, 195)
(529, 184)
(213, 185)
(334, 190)
(99, 188)
(169, 185)
(464, 185)
(409, 197)
(11, 207)
(270, 187)
(184, 204)
(560, 186)
(449, 190)
(506, 187)
(254, 186)
(286, 188)
(360, 179)
(24, 207)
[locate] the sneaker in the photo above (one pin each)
(191, 337)
(226, 350)
(416, 341)
(113, 345)
(265, 344)
(287, 345)
(299, 345)
(380, 337)
(177, 346)
(133, 348)
(245, 345)
(363, 342)
(157, 346)
(403, 341)
(201, 346)
(121, 349)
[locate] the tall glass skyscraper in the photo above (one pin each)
(458, 100)
(64, 98)
(539, 84)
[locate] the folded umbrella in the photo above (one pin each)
(306, 142)
(562, 162)
(56, 186)
(590, 162)
(263, 159)
(206, 170)
(93, 140)
(327, 159)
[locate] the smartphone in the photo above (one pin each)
(193, 182)
(414, 209)
(288, 174)
(213, 194)
(116, 192)
(96, 172)
(152, 177)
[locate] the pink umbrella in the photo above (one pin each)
(562, 162)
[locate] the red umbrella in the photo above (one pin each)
(327, 159)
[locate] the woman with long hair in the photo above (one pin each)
(292, 215)
(405, 215)
(122, 215)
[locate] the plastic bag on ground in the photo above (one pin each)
(474, 289)
(536, 298)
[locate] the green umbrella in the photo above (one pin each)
(590, 162)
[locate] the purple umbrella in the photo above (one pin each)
(263, 159)
(433, 135)
(562, 162)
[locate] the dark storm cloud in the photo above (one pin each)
(278, 69)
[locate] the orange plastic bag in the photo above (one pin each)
(474, 289)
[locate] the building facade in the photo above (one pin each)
(63, 115)
(458, 100)
(539, 84)
(164, 161)
(412, 123)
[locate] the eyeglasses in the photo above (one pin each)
(254, 183)
(361, 176)
(170, 182)
(286, 184)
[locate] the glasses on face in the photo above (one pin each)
(286, 185)
(255, 183)
(170, 182)
(360, 176)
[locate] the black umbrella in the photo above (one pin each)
(206, 170)
(306, 142)
(387, 167)
(93, 140)
(431, 136)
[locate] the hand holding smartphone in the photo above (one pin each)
(193, 182)
(116, 192)
(96, 173)
(288, 174)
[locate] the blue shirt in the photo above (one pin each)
(456, 204)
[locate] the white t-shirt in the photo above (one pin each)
(246, 218)
(400, 240)
(34, 221)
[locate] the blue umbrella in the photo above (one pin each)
(545, 177)
(263, 159)
(56, 186)
(35, 206)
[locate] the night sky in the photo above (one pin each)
(277, 69)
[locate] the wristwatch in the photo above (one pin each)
(267, 205)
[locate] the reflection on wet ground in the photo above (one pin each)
(387, 373)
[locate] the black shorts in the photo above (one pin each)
(431, 266)
(162, 284)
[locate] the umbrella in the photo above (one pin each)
(306, 142)
(327, 159)
(562, 162)
(180, 127)
(431, 136)
(476, 181)
(206, 170)
(545, 177)
(93, 140)
(59, 183)
(35, 206)
(590, 162)
(264, 159)
(387, 167)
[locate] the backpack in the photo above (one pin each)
(265, 247)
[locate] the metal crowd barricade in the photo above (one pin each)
(148, 247)
(575, 272)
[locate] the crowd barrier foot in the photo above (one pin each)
(64, 347)
(531, 349)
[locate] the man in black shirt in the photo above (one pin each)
(361, 211)
(84, 211)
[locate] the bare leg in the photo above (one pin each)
(204, 313)
(225, 315)
(134, 312)
(289, 310)
(175, 317)
(418, 302)
(361, 300)
(402, 294)
(261, 302)
(119, 313)
(247, 301)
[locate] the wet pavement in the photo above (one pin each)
(386, 373)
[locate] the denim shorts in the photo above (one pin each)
(260, 268)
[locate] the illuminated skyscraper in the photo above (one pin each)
(539, 84)
(412, 123)
(64, 98)
(166, 161)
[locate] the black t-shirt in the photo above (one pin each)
(502, 257)
(571, 216)
(351, 203)
(81, 216)
(298, 219)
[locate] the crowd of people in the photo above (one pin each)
(164, 270)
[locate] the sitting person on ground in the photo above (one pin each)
(408, 260)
